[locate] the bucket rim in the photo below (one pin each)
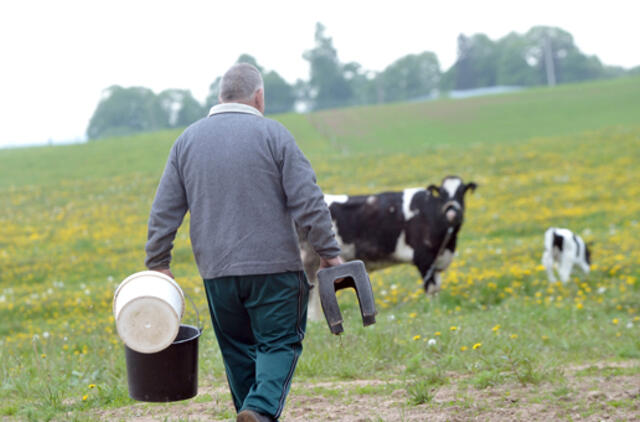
(199, 331)
(153, 273)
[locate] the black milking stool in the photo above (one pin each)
(354, 275)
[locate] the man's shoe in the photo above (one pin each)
(251, 416)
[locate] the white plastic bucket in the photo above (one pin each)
(148, 307)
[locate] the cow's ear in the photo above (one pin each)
(435, 191)
(470, 185)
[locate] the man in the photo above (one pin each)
(245, 182)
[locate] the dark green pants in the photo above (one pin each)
(259, 322)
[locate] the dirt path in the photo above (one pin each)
(600, 392)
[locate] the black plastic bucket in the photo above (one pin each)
(168, 375)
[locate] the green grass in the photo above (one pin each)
(73, 225)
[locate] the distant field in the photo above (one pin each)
(73, 225)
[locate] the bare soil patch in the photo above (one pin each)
(603, 391)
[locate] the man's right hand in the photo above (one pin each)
(331, 262)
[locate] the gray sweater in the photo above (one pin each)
(245, 182)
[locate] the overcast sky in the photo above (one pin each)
(58, 56)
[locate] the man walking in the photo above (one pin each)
(245, 182)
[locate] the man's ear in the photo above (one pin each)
(259, 100)
(470, 185)
(435, 191)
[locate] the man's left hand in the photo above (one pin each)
(165, 271)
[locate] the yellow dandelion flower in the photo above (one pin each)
(495, 328)
(85, 397)
(579, 305)
(44, 355)
(545, 338)
(413, 314)
(416, 337)
(618, 334)
(92, 386)
(453, 328)
(477, 346)
(437, 333)
(615, 321)
(513, 336)
(463, 348)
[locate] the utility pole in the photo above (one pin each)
(548, 61)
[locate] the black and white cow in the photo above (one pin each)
(562, 250)
(415, 225)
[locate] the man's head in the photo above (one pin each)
(243, 84)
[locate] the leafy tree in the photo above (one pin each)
(180, 106)
(364, 84)
(247, 58)
(280, 96)
(615, 71)
(448, 79)
(476, 63)
(412, 76)
(127, 110)
(634, 70)
(302, 93)
(328, 85)
(576, 66)
(542, 55)
(512, 66)
(566, 62)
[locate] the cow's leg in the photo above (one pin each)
(423, 259)
(433, 288)
(547, 261)
(311, 262)
(314, 312)
(564, 271)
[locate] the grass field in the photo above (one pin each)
(73, 225)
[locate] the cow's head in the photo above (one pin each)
(451, 195)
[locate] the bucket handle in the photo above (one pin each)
(199, 325)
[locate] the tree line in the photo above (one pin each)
(542, 56)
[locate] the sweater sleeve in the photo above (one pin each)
(167, 212)
(305, 199)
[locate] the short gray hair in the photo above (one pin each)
(240, 82)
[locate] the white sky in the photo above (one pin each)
(58, 56)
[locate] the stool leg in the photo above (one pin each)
(329, 303)
(366, 300)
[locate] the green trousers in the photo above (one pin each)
(259, 321)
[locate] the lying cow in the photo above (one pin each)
(416, 225)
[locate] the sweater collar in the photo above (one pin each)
(233, 108)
